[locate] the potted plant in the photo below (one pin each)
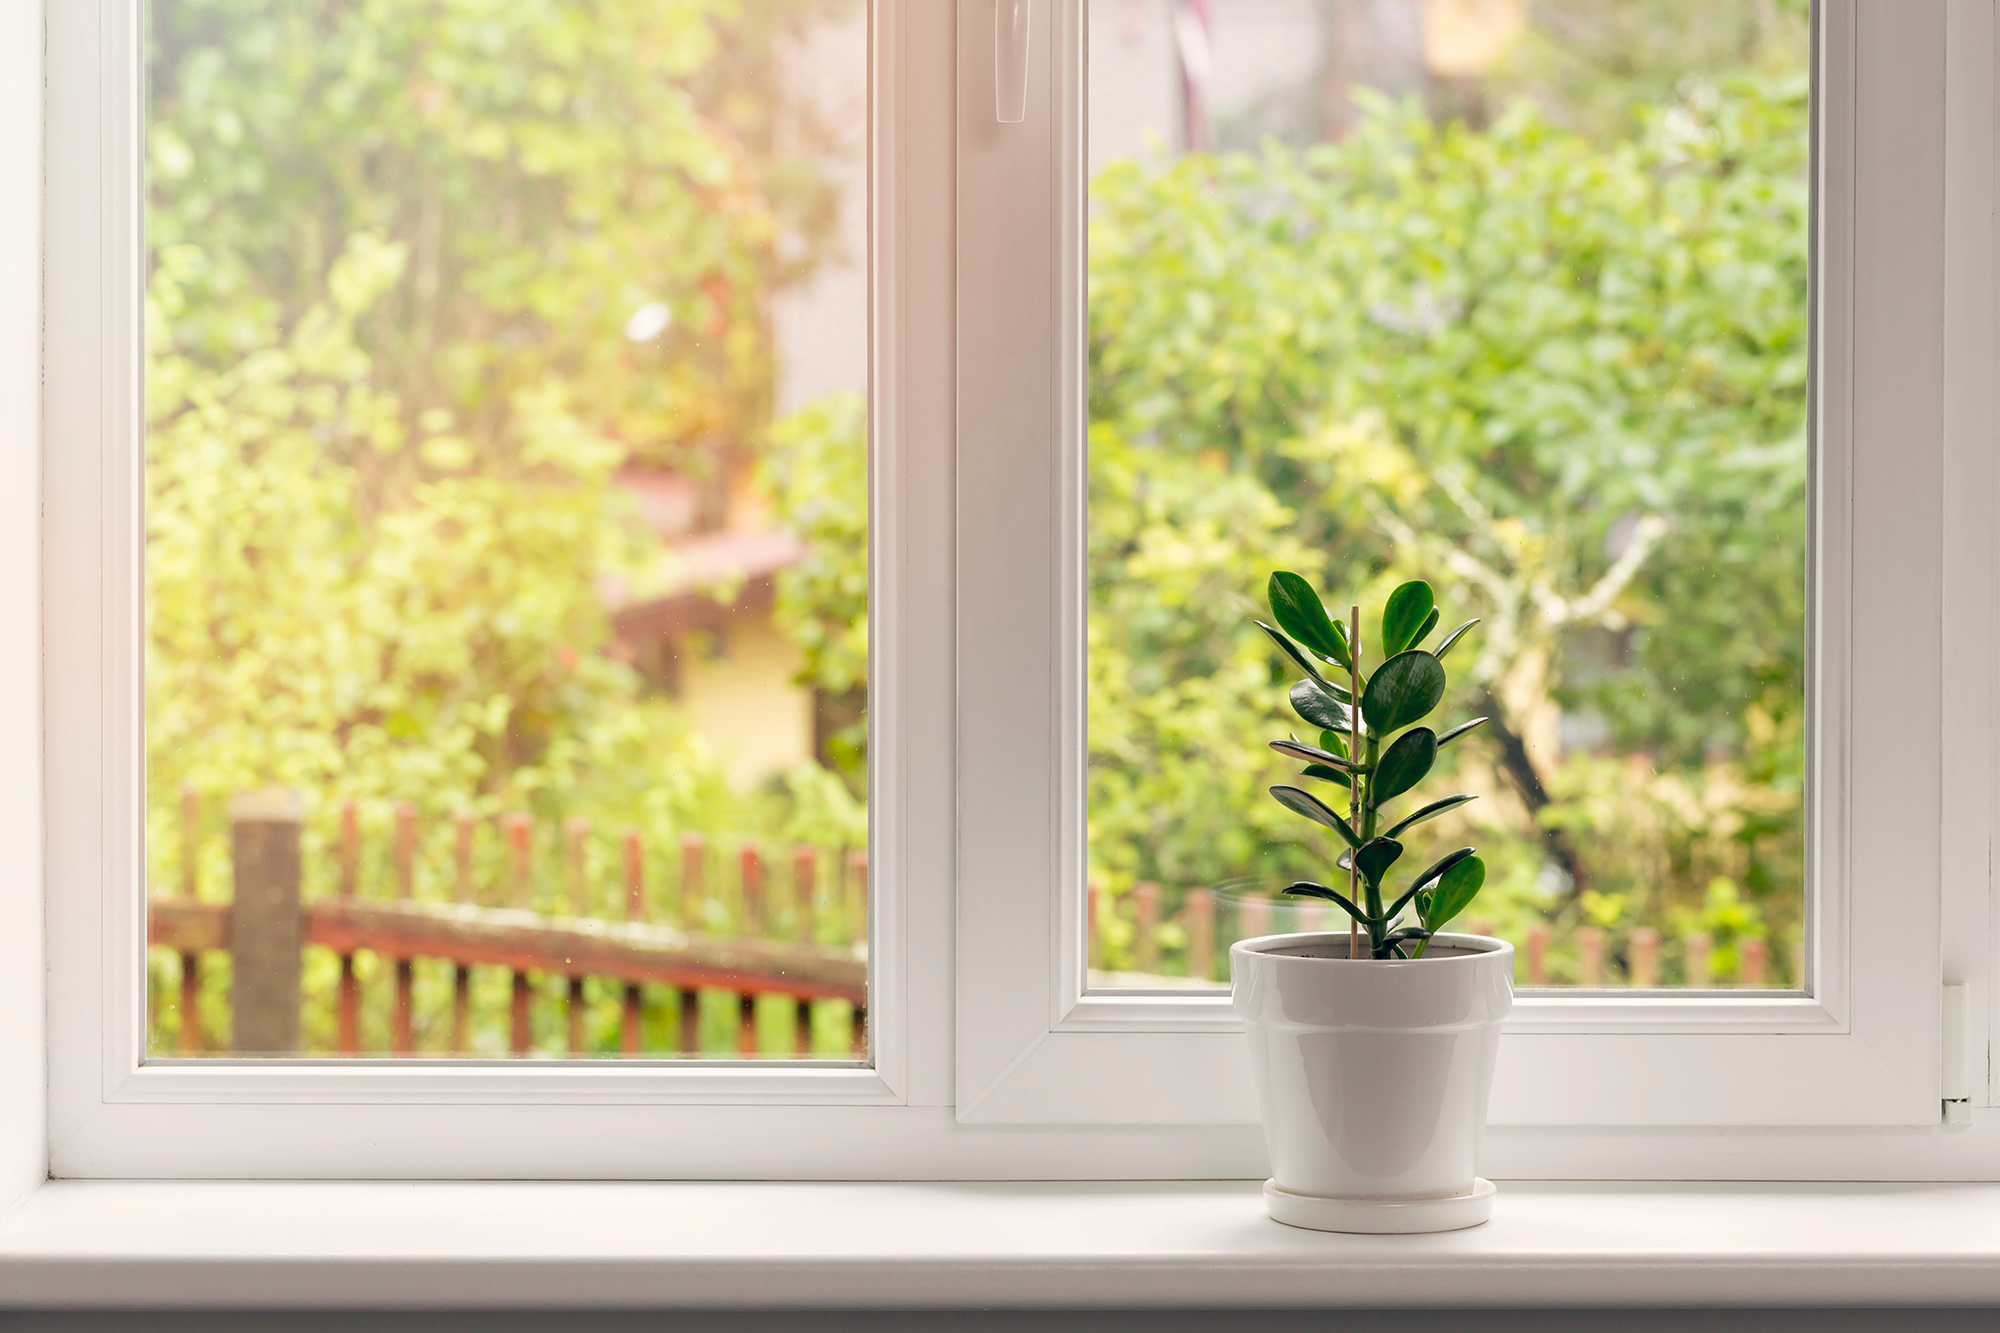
(1373, 1049)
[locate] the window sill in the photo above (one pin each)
(107, 1244)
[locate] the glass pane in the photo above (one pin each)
(506, 564)
(1507, 296)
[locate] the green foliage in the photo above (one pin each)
(394, 251)
(1403, 690)
(1563, 375)
(817, 476)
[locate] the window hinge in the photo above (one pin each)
(1956, 1068)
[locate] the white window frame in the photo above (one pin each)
(111, 1111)
(989, 1063)
(1893, 237)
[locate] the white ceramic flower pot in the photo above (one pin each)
(1373, 1077)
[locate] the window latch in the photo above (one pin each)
(1956, 1067)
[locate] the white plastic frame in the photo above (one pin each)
(109, 1107)
(1861, 1049)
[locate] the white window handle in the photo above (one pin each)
(1010, 60)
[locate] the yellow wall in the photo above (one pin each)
(743, 699)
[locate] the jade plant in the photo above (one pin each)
(1377, 753)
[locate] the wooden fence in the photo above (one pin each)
(268, 922)
(1586, 957)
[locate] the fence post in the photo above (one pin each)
(1697, 961)
(347, 1021)
(1538, 955)
(694, 855)
(266, 923)
(1146, 923)
(1201, 933)
(1644, 967)
(1590, 956)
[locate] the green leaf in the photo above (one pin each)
(1319, 708)
(1456, 889)
(1298, 609)
(1305, 803)
(1404, 765)
(1402, 690)
(1453, 637)
(1334, 742)
(1308, 889)
(1311, 754)
(1322, 771)
(1431, 811)
(1376, 857)
(1305, 663)
(1403, 618)
(1406, 934)
(1458, 731)
(1438, 868)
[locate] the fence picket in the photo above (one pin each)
(1146, 924)
(462, 856)
(1200, 916)
(1590, 956)
(403, 924)
(1644, 968)
(1696, 951)
(750, 891)
(576, 876)
(1751, 954)
(693, 901)
(805, 891)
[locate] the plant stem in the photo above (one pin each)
(1355, 781)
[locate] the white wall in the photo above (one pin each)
(23, 1082)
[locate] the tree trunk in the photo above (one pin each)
(1521, 774)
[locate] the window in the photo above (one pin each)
(990, 1053)
(429, 248)
(506, 531)
(1038, 1043)
(1513, 299)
